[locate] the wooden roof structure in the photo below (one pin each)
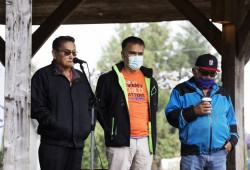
(50, 14)
(111, 11)
(232, 43)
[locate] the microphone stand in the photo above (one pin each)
(94, 102)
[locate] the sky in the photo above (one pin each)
(90, 39)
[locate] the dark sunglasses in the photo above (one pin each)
(68, 52)
(207, 73)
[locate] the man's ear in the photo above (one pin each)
(194, 71)
(54, 53)
(122, 55)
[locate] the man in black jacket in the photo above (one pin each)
(128, 97)
(59, 102)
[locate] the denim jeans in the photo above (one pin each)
(215, 161)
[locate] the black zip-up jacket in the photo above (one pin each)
(114, 108)
(61, 108)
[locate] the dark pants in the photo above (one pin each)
(52, 157)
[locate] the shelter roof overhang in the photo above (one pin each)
(50, 14)
(113, 11)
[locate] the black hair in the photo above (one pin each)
(59, 41)
(132, 39)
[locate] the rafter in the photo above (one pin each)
(2, 51)
(201, 22)
(47, 28)
(246, 49)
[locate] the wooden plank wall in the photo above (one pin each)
(17, 84)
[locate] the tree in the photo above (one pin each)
(112, 52)
(155, 37)
(189, 45)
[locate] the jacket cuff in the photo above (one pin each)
(233, 140)
(188, 114)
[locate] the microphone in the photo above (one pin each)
(79, 61)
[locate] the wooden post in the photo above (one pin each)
(17, 84)
(233, 81)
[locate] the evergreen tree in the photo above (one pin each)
(155, 37)
(189, 45)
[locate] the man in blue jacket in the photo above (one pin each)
(207, 129)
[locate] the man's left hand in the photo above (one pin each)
(228, 146)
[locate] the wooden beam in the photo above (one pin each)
(40, 36)
(2, 51)
(227, 11)
(17, 100)
(245, 51)
(201, 22)
(233, 81)
(243, 34)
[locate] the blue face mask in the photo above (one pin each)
(135, 62)
(206, 83)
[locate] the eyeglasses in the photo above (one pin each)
(207, 73)
(135, 53)
(68, 52)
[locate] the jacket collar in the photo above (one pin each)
(56, 70)
(192, 83)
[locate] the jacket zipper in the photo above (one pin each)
(121, 82)
(210, 143)
(210, 123)
(113, 128)
(187, 135)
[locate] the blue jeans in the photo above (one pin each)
(215, 161)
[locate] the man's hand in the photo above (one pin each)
(228, 146)
(203, 108)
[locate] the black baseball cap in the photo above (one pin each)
(207, 62)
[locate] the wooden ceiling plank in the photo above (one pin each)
(201, 22)
(2, 51)
(61, 13)
(119, 11)
(243, 36)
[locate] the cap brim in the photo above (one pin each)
(209, 69)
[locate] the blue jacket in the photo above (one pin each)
(201, 134)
